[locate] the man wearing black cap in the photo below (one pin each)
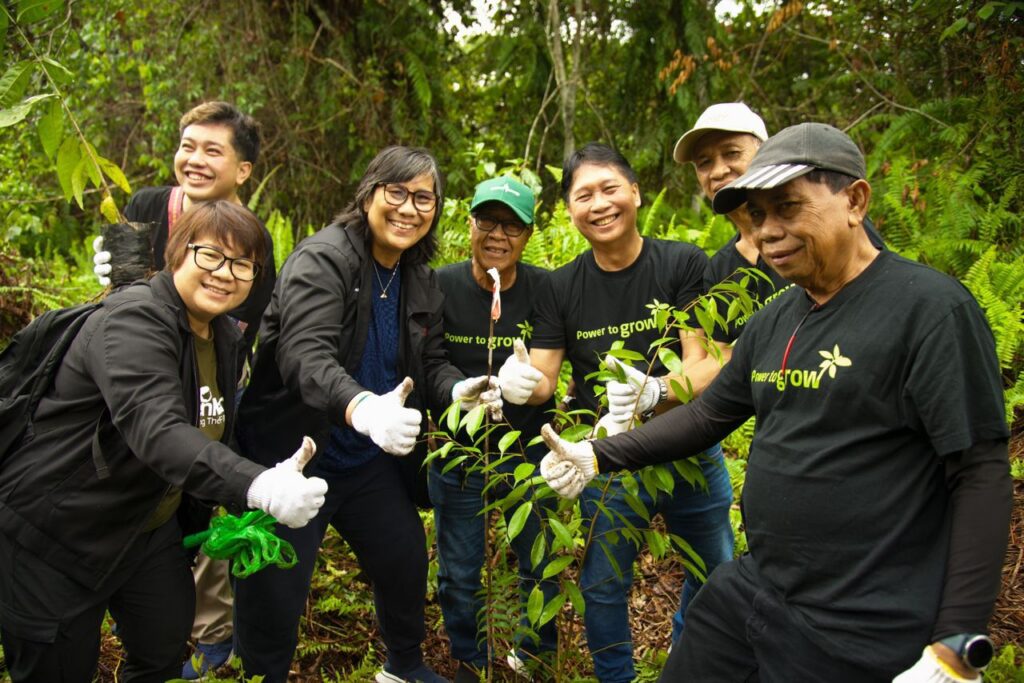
(877, 497)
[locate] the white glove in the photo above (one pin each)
(611, 426)
(569, 481)
(479, 390)
(931, 669)
(101, 261)
(517, 377)
(623, 396)
(387, 421)
(284, 493)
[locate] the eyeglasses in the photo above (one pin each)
(211, 259)
(510, 228)
(422, 200)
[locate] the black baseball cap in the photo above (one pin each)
(789, 154)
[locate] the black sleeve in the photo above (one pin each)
(549, 323)
(440, 373)
(981, 501)
(691, 277)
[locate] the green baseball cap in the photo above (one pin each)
(509, 192)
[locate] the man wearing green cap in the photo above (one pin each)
(877, 497)
(500, 224)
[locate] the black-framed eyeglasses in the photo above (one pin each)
(422, 200)
(212, 258)
(510, 228)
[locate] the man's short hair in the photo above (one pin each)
(833, 180)
(594, 153)
(245, 130)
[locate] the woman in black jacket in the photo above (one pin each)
(140, 412)
(351, 351)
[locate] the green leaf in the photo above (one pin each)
(555, 171)
(474, 419)
(14, 83)
(114, 172)
(954, 28)
(562, 534)
(523, 471)
(57, 72)
(626, 354)
(538, 550)
(453, 463)
(638, 507)
(109, 209)
(552, 609)
(556, 566)
(67, 160)
(534, 604)
(670, 360)
(518, 521)
(93, 171)
(30, 11)
(986, 11)
(451, 417)
(78, 180)
(508, 440)
(575, 597)
(51, 128)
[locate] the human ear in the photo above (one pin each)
(858, 196)
(243, 173)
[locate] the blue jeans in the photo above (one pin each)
(700, 517)
(458, 500)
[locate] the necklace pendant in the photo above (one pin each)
(383, 295)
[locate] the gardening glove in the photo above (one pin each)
(611, 426)
(931, 669)
(623, 397)
(517, 377)
(101, 261)
(479, 390)
(284, 493)
(387, 421)
(569, 481)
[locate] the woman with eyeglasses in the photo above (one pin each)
(351, 351)
(140, 412)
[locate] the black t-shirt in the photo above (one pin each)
(467, 308)
(149, 205)
(845, 501)
(725, 262)
(587, 309)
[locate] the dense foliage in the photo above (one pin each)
(931, 90)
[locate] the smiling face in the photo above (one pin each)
(209, 294)
(207, 165)
(603, 203)
(396, 228)
(495, 249)
(810, 235)
(721, 157)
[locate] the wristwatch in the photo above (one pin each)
(974, 649)
(662, 390)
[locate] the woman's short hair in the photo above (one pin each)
(220, 220)
(397, 165)
(594, 153)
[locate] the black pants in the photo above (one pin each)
(50, 624)
(370, 508)
(739, 630)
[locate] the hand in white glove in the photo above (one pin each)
(931, 669)
(611, 426)
(284, 493)
(387, 421)
(101, 261)
(567, 482)
(517, 377)
(623, 397)
(479, 390)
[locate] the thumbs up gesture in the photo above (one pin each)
(284, 493)
(639, 392)
(568, 466)
(517, 377)
(387, 421)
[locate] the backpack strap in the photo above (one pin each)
(174, 204)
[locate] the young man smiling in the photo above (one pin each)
(500, 224)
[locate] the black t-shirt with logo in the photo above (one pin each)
(587, 309)
(467, 308)
(845, 501)
(727, 260)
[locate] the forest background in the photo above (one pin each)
(932, 90)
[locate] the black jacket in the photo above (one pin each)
(129, 380)
(316, 326)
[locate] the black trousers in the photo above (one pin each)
(370, 508)
(739, 630)
(50, 624)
